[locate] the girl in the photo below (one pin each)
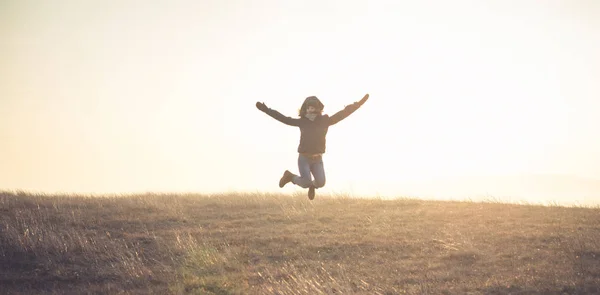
(313, 128)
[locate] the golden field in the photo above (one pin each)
(286, 244)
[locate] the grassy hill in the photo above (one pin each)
(276, 244)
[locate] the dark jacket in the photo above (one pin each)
(312, 133)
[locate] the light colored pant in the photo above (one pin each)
(306, 166)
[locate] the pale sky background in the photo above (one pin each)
(138, 96)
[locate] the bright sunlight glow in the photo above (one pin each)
(100, 96)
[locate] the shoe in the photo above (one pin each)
(311, 192)
(287, 177)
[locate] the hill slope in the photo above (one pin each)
(275, 244)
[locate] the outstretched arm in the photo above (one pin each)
(349, 109)
(277, 115)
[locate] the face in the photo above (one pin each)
(311, 109)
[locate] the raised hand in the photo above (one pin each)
(261, 106)
(364, 99)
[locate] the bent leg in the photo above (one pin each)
(304, 180)
(318, 171)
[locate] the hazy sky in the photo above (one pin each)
(130, 96)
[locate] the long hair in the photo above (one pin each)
(310, 101)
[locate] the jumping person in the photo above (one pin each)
(313, 129)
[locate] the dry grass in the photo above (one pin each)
(275, 244)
